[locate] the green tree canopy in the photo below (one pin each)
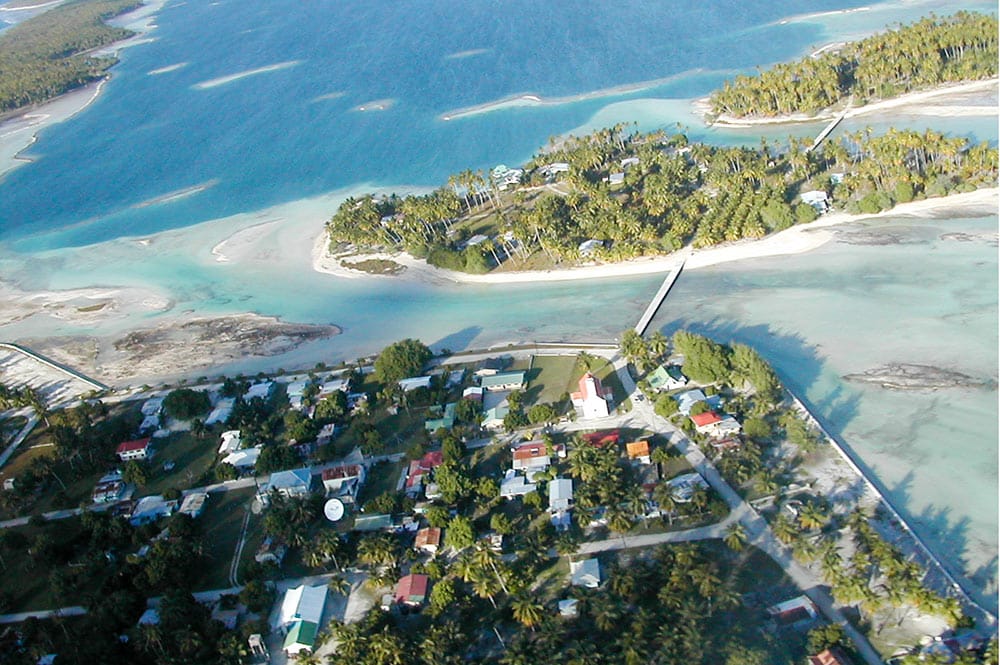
(400, 360)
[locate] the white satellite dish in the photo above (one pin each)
(333, 510)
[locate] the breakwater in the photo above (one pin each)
(919, 548)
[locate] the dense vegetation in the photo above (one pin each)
(45, 56)
(675, 194)
(928, 53)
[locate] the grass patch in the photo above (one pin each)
(220, 524)
(193, 460)
(382, 477)
(550, 378)
(375, 266)
(27, 580)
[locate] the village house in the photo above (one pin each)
(714, 425)
(569, 608)
(193, 504)
(638, 451)
(831, 656)
(289, 484)
(412, 590)
(446, 421)
(229, 442)
(151, 508)
(818, 199)
(474, 393)
(502, 381)
(685, 485)
(514, 484)
(414, 382)
(109, 488)
(220, 414)
(334, 386)
(296, 393)
(243, 459)
(271, 551)
(495, 409)
(560, 495)
(533, 456)
(725, 445)
(130, 450)
(428, 540)
(666, 377)
(585, 573)
(616, 179)
(300, 616)
(688, 399)
(261, 390)
(588, 247)
(418, 473)
(793, 611)
(592, 400)
(343, 482)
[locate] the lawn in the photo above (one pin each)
(550, 378)
(28, 584)
(193, 460)
(382, 477)
(220, 523)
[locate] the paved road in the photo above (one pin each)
(226, 486)
(758, 531)
(21, 436)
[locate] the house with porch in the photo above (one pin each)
(134, 450)
(412, 590)
(344, 482)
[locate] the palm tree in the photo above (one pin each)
(784, 530)
(527, 611)
(736, 537)
(811, 516)
(339, 584)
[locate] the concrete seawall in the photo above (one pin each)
(927, 557)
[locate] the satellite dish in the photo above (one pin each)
(333, 510)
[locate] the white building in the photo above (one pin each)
(591, 401)
(243, 459)
(586, 573)
(560, 494)
(415, 382)
(229, 442)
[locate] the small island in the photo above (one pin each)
(51, 54)
(929, 53)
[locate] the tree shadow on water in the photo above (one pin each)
(457, 341)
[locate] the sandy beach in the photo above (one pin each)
(795, 240)
(952, 100)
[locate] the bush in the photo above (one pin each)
(185, 404)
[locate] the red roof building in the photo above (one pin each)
(431, 460)
(428, 540)
(592, 398)
(601, 439)
(831, 656)
(138, 449)
(412, 589)
(705, 419)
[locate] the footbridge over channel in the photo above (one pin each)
(660, 296)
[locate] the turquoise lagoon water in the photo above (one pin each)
(127, 194)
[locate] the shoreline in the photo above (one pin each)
(36, 118)
(948, 97)
(794, 240)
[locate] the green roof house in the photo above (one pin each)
(446, 421)
(301, 637)
(666, 378)
(503, 381)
